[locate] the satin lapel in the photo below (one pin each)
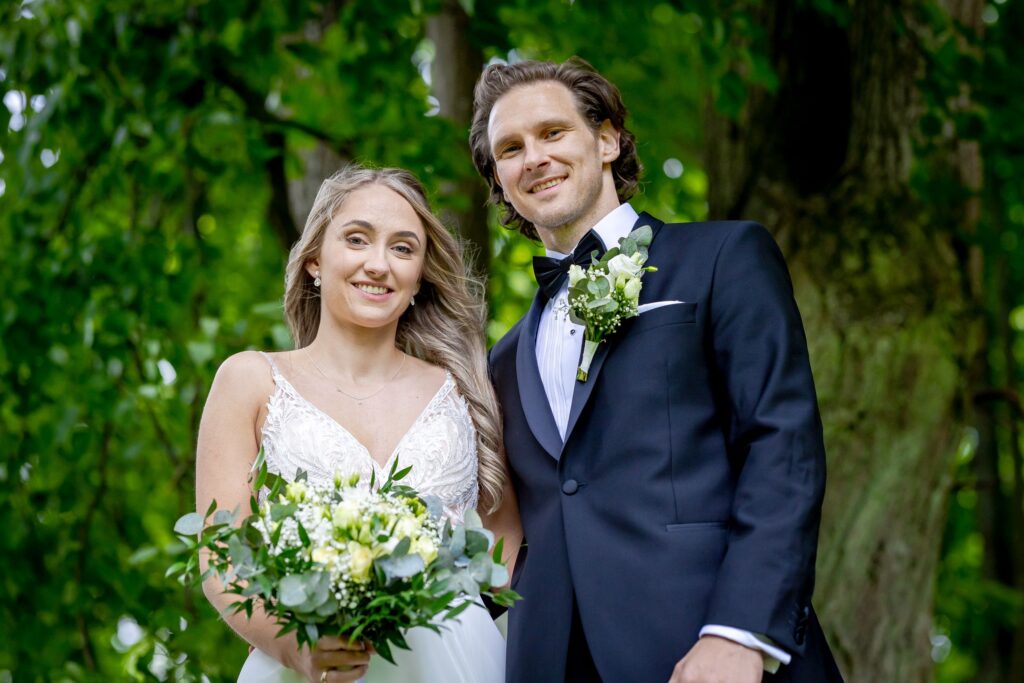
(581, 394)
(531, 390)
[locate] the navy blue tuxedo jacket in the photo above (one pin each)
(689, 487)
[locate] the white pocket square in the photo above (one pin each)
(643, 308)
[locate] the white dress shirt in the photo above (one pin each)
(559, 345)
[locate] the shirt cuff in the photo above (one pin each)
(773, 655)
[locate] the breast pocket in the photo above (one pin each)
(673, 314)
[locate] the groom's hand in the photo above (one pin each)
(719, 660)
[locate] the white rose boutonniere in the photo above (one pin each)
(606, 293)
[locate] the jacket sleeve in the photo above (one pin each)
(766, 578)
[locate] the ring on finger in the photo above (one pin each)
(323, 676)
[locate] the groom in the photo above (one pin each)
(671, 501)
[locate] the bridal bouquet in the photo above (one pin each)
(606, 293)
(345, 560)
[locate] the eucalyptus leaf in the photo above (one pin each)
(292, 590)
(471, 519)
(224, 517)
(478, 541)
(457, 544)
(599, 288)
(279, 511)
(499, 574)
(480, 569)
(642, 235)
(609, 255)
(189, 524)
(401, 567)
(435, 508)
(402, 548)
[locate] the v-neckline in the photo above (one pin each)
(369, 456)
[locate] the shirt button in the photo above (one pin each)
(572, 331)
(570, 487)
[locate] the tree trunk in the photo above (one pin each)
(457, 64)
(825, 163)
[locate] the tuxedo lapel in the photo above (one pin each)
(531, 390)
(581, 394)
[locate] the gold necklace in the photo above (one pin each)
(357, 399)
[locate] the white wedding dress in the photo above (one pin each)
(441, 448)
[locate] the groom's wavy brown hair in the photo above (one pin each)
(445, 327)
(597, 100)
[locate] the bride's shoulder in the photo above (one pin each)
(247, 374)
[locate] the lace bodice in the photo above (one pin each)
(440, 445)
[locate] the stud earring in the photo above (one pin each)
(316, 279)
(412, 300)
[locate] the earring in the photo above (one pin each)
(412, 300)
(316, 279)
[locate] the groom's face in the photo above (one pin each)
(551, 165)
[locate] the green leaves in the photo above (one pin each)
(189, 524)
(400, 565)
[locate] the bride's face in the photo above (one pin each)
(371, 260)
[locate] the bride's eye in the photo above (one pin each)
(356, 240)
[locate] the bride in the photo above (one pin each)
(389, 363)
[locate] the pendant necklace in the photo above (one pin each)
(357, 399)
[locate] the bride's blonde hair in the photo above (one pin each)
(445, 327)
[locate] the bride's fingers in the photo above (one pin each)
(333, 643)
(340, 659)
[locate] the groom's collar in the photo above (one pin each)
(613, 227)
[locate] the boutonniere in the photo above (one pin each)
(606, 293)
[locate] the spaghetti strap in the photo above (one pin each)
(273, 365)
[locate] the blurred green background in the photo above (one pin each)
(158, 158)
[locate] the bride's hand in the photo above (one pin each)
(337, 660)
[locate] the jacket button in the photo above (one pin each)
(570, 487)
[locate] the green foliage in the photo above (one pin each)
(144, 152)
(973, 605)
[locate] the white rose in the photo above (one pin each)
(425, 548)
(576, 274)
(632, 289)
(346, 514)
(407, 527)
(622, 265)
(360, 559)
(325, 556)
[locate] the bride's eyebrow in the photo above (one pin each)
(359, 223)
(409, 235)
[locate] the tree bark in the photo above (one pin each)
(456, 67)
(824, 162)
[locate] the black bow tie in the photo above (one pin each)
(551, 272)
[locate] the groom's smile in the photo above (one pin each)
(546, 185)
